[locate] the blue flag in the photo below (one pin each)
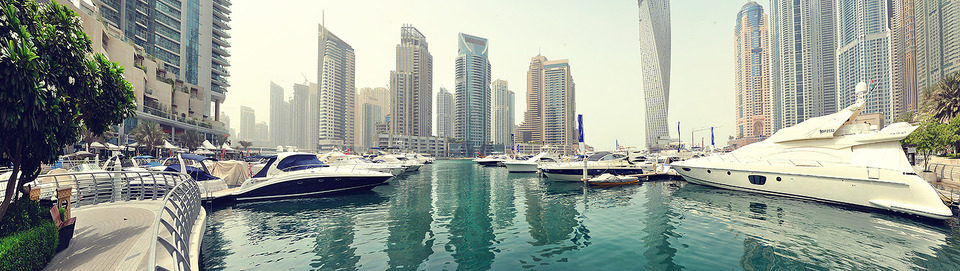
(711, 137)
(580, 125)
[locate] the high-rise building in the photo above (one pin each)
(559, 106)
(262, 132)
(300, 133)
(372, 108)
(279, 116)
(655, 57)
(531, 130)
(248, 122)
(903, 61)
(752, 83)
(863, 54)
(189, 36)
(502, 105)
(445, 113)
(472, 97)
(411, 86)
(336, 92)
(803, 60)
(938, 40)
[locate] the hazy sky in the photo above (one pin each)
(278, 42)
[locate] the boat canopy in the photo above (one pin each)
(597, 156)
(195, 157)
(299, 162)
(819, 127)
(195, 172)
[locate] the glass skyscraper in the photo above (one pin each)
(472, 97)
(863, 54)
(655, 57)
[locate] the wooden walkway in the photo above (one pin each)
(112, 236)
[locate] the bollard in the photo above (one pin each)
(63, 199)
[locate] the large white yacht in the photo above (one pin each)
(830, 159)
(530, 165)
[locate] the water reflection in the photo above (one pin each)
(410, 241)
(830, 237)
(659, 226)
(554, 222)
(471, 235)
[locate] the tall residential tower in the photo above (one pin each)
(502, 105)
(472, 97)
(938, 40)
(655, 66)
(336, 82)
(752, 83)
(445, 113)
(863, 55)
(411, 86)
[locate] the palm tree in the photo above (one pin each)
(190, 139)
(245, 144)
(148, 134)
(942, 101)
(88, 137)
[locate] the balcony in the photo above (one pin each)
(220, 50)
(220, 32)
(220, 23)
(220, 70)
(221, 15)
(219, 5)
(221, 41)
(219, 60)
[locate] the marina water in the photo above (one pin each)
(457, 215)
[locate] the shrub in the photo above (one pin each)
(22, 215)
(30, 249)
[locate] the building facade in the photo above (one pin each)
(531, 130)
(903, 61)
(435, 146)
(336, 79)
(372, 108)
(501, 127)
(863, 54)
(472, 97)
(752, 81)
(189, 36)
(655, 66)
(248, 124)
(803, 60)
(280, 118)
(411, 86)
(559, 106)
(445, 113)
(938, 40)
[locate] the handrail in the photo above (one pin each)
(173, 225)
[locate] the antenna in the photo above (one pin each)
(305, 81)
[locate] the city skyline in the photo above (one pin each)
(607, 61)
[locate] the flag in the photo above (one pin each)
(711, 137)
(580, 132)
(617, 141)
(679, 142)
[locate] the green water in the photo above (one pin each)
(457, 215)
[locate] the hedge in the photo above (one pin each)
(23, 214)
(30, 249)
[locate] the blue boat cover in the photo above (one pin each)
(195, 157)
(197, 173)
(263, 171)
(143, 157)
(299, 162)
(153, 164)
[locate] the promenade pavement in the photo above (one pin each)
(111, 236)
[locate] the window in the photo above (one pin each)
(757, 179)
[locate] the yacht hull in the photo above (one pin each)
(297, 186)
(845, 185)
(576, 174)
(520, 167)
(490, 163)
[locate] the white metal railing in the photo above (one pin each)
(181, 207)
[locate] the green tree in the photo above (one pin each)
(190, 139)
(52, 85)
(148, 134)
(245, 144)
(933, 137)
(942, 100)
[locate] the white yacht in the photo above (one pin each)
(338, 159)
(830, 159)
(491, 160)
(530, 165)
(290, 175)
(597, 164)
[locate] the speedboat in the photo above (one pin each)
(392, 159)
(491, 160)
(598, 163)
(830, 159)
(338, 159)
(194, 165)
(531, 164)
(289, 175)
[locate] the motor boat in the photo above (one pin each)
(608, 179)
(293, 174)
(338, 159)
(531, 164)
(491, 160)
(195, 166)
(597, 163)
(830, 159)
(392, 159)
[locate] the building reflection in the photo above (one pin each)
(333, 247)
(660, 226)
(555, 223)
(409, 223)
(471, 232)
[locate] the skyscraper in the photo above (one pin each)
(301, 118)
(655, 57)
(863, 54)
(189, 36)
(335, 76)
(803, 60)
(752, 57)
(472, 97)
(372, 107)
(411, 86)
(445, 113)
(531, 130)
(903, 61)
(279, 116)
(502, 105)
(248, 122)
(938, 40)
(559, 105)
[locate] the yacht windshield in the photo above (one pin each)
(597, 156)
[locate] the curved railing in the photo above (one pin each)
(174, 224)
